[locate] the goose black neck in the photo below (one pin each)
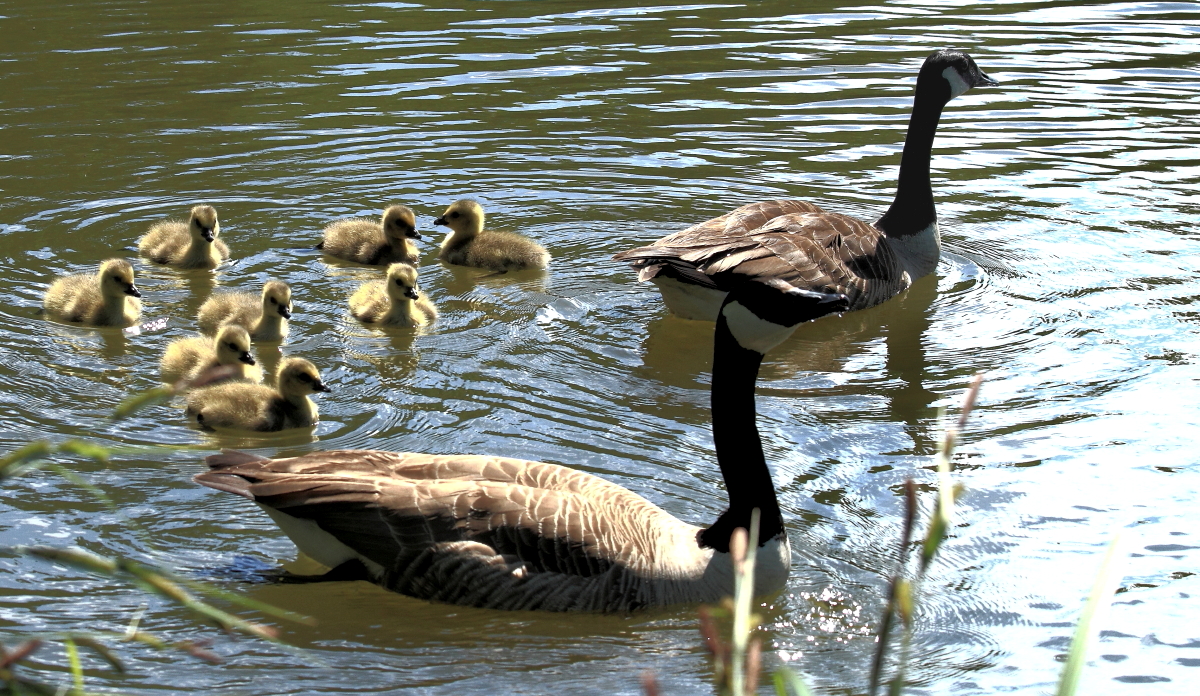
(738, 445)
(912, 210)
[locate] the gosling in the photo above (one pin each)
(188, 358)
(193, 244)
(468, 244)
(108, 298)
(242, 406)
(374, 243)
(265, 317)
(393, 302)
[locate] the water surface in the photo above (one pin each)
(1068, 201)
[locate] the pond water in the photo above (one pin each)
(1068, 198)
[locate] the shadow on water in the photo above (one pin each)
(677, 352)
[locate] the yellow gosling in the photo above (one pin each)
(108, 298)
(187, 358)
(191, 244)
(242, 406)
(396, 301)
(469, 244)
(374, 243)
(265, 316)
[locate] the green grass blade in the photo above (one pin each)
(1089, 623)
(16, 463)
(244, 601)
(788, 681)
(76, 665)
(85, 449)
(146, 399)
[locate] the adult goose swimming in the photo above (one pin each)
(783, 246)
(514, 534)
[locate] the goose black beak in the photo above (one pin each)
(412, 293)
(985, 81)
(285, 312)
(440, 221)
(321, 387)
(207, 234)
(132, 291)
(412, 234)
(246, 358)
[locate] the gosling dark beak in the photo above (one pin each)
(412, 293)
(246, 358)
(207, 234)
(321, 387)
(132, 290)
(440, 221)
(285, 312)
(412, 234)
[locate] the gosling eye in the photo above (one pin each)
(454, 215)
(233, 346)
(304, 377)
(272, 299)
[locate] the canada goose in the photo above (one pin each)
(513, 534)
(242, 406)
(191, 244)
(396, 301)
(374, 243)
(468, 244)
(780, 247)
(264, 316)
(108, 298)
(186, 358)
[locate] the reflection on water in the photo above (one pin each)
(1067, 197)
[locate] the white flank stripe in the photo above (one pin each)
(316, 543)
(688, 301)
(753, 333)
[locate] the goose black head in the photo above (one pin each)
(951, 72)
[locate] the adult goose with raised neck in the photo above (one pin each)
(513, 534)
(783, 246)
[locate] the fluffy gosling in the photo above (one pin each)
(374, 243)
(187, 358)
(108, 298)
(191, 244)
(265, 316)
(242, 406)
(396, 301)
(468, 244)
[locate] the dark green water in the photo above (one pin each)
(1068, 200)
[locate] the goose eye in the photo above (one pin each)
(272, 299)
(232, 346)
(304, 377)
(453, 215)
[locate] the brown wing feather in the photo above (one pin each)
(433, 521)
(785, 245)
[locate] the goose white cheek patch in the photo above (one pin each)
(957, 85)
